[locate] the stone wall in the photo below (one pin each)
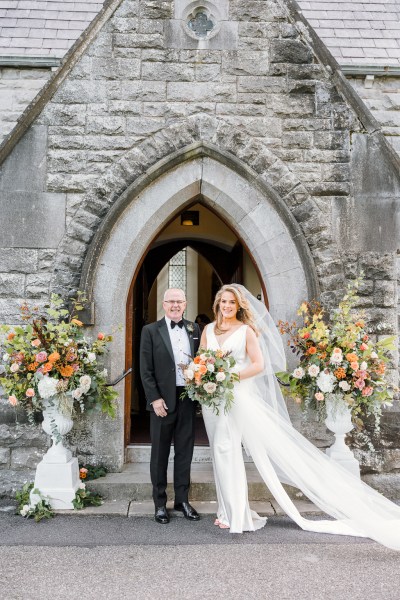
(143, 90)
(18, 86)
(382, 96)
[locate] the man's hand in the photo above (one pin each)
(160, 408)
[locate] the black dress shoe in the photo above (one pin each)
(161, 515)
(188, 511)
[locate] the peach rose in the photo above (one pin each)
(30, 392)
(354, 366)
(319, 396)
(35, 343)
(202, 369)
(12, 400)
(367, 391)
(363, 347)
(11, 336)
(100, 336)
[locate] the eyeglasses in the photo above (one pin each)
(175, 302)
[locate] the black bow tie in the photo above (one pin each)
(179, 323)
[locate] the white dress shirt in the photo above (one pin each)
(181, 349)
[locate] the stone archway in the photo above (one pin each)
(252, 210)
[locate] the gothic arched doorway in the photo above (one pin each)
(199, 252)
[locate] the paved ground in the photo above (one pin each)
(104, 557)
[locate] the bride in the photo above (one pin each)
(259, 420)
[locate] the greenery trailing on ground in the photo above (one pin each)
(38, 508)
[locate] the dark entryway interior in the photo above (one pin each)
(220, 261)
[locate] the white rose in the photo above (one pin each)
(336, 358)
(6, 357)
(220, 376)
(325, 382)
(82, 486)
(47, 387)
(196, 367)
(344, 386)
(188, 374)
(77, 393)
(210, 387)
(298, 373)
(210, 368)
(24, 511)
(203, 357)
(313, 370)
(85, 382)
(373, 355)
(91, 357)
(14, 368)
(363, 366)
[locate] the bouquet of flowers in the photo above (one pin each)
(49, 356)
(340, 359)
(210, 379)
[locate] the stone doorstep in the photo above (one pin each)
(133, 484)
(141, 454)
(125, 508)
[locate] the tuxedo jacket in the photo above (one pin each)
(157, 363)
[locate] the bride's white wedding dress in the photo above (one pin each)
(282, 454)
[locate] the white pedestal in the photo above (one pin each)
(345, 459)
(59, 481)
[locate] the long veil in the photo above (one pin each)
(282, 454)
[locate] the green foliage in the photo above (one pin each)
(85, 498)
(89, 472)
(38, 510)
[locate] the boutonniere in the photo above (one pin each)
(190, 327)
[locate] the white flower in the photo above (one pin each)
(91, 357)
(203, 357)
(196, 367)
(344, 386)
(82, 486)
(85, 382)
(210, 387)
(188, 374)
(313, 370)
(104, 373)
(336, 358)
(77, 393)
(25, 509)
(298, 373)
(363, 366)
(220, 376)
(6, 357)
(373, 355)
(325, 382)
(47, 387)
(14, 367)
(211, 368)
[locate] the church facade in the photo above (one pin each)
(230, 112)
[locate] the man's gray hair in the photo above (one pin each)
(176, 290)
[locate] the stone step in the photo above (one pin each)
(141, 454)
(133, 484)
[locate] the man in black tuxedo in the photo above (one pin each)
(163, 346)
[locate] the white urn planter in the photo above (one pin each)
(339, 421)
(57, 474)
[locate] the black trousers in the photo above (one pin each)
(179, 427)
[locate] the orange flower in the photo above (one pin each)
(196, 360)
(359, 324)
(66, 371)
(11, 336)
(54, 357)
(77, 322)
(83, 473)
(33, 366)
(381, 368)
(312, 350)
(202, 369)
(351, 357)
(47, 367)
(340, 373)
(322, 355)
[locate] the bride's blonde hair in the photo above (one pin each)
(243, 314)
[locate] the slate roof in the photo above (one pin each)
(43, 27)
(362, 33)
(366, 32)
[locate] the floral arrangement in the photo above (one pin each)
(338, 359)
(210, 379)
(50, 356)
